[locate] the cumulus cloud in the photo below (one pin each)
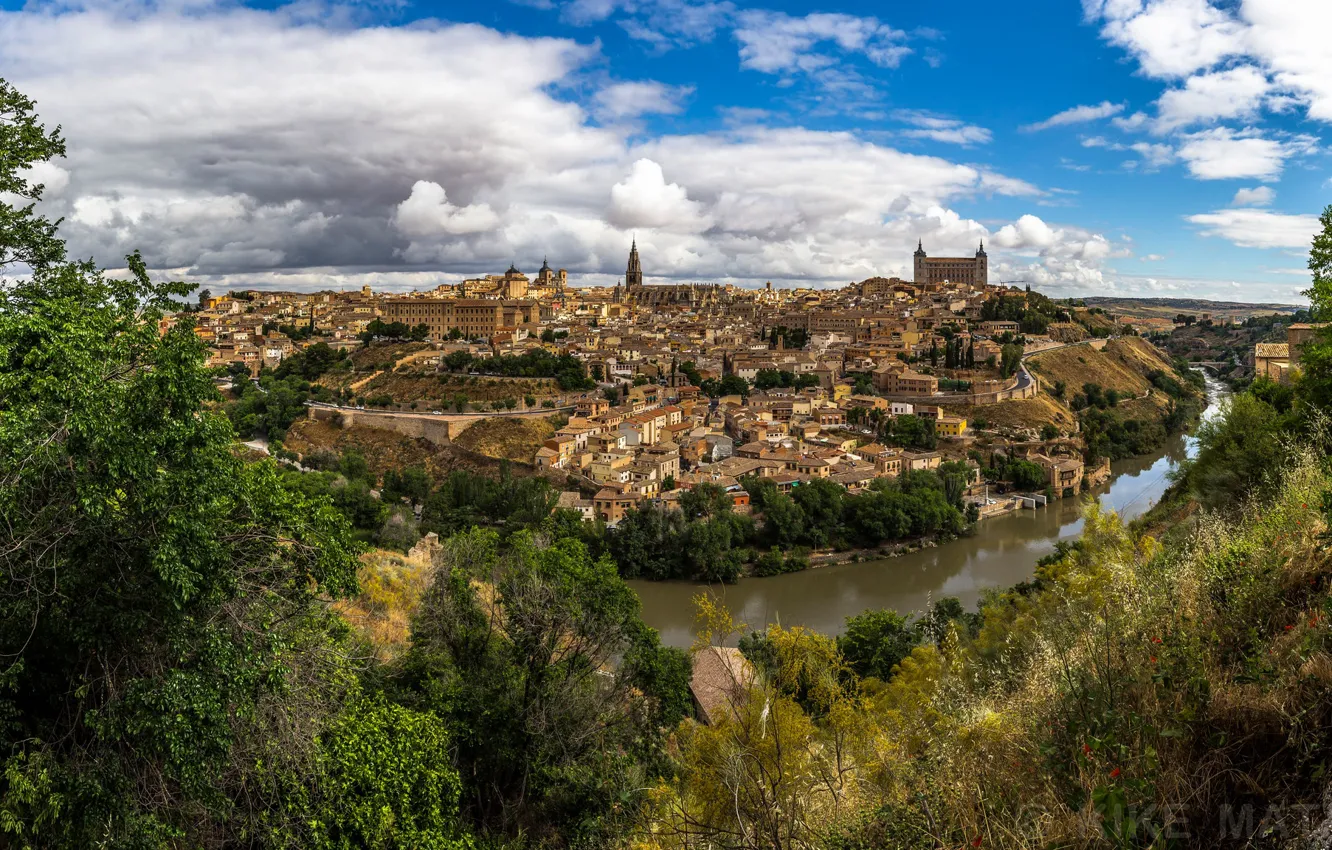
(1059, 256)
(427, 216)
(1169, 38)
(1225, 154)
(644, 199)
(1232, 93)
(299, 151)
(633, 99)
(1284, 40)
(1250, 228)
(1077, 115)
(1259, 196)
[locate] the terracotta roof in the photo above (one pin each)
(721, 679)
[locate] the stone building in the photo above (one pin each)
(970, 271)
(666, 295)
(475, 317)
(1276, 360)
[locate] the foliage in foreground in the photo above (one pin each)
(1132, 690)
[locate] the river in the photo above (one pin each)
(1003, 552)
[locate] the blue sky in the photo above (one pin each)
(1133, 147)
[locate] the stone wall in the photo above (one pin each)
(435, 429)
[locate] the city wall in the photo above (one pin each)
(435, 429)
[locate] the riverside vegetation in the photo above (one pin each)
(175, 672)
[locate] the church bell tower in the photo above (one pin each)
(633, 274)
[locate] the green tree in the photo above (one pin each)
(161, 595)
(706, 500)
(25, 237)
(1315, 383)
(549, 745)
(389, 781)
(1238, 451)
(875, 642)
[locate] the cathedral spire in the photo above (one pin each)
(633, 273)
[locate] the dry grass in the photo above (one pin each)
(384, 450)
(367, 359)
(508, 438)
(391, 589)
(1027, 413)
(1123, 366)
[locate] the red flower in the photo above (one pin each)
(1114, 774)
(1086, 750)
(976, 842)
(1288, 628)
(1153, 659)
(1156, 640)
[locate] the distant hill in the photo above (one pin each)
(1168, 307)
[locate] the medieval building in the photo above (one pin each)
(666, 295)
(971, 271)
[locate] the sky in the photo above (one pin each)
(1168, 148)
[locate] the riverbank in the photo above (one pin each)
(1003, 553)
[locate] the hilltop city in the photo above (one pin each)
(656, 388)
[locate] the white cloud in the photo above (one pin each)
(1290, 39)
(644, 199)
(427, 211)
(1077, 115)
(632, 99)
(297, 150)
(774, 42)
(1059, 256)
(1250, 228)
(939, 128)
(1132, 123)
(1152, 258)
(1169, 38)
(1028, 232)
(1154, 156)
(1259, 196)
(1232, 93)
(1285, 40)
(1224, 154)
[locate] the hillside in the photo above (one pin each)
(1018, 415)
(432, 389)
(1124, 366)
(510, 438)
(385, 450)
